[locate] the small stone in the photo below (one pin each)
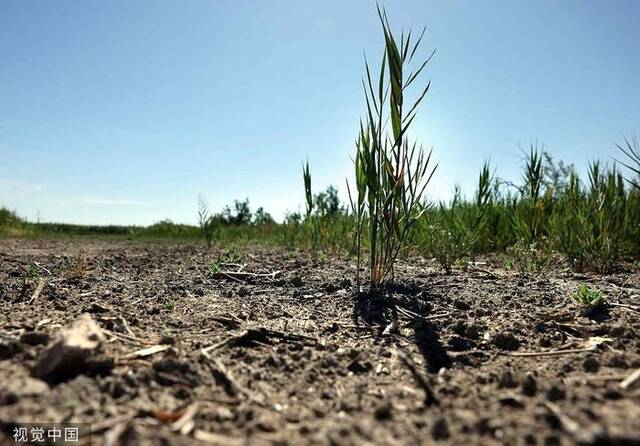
(34, 338)
(590, 365)
(223, 414)
(556, 392)
(69, 355)
(506, 341)
(384, 411)
(440, 429)
(507, 380)
(529, 385)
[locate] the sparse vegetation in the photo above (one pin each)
(229, 256)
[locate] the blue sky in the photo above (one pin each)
(125, 111)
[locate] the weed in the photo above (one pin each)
(528, 258)
(32, 271)
(588, 298)
(169, 304)
(391, 172)
(311, 220)
(230, 255)
(206, 221)
(528, 217)
(459, 227)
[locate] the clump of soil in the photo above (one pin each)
(279, 350)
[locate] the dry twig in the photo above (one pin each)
(630, 380)
(41, 283)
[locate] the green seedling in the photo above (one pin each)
(169, 305)
(588, 298)
(32, 271)
(228, 256)
(311, 220)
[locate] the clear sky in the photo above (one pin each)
(125, 111)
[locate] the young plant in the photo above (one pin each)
(311, 220)
(461, 226)
(228, 257)
(32, 271)
(589, 299)
(528, 217)
(529, 258)
(206, 221)
(169, 304)
(391, 172)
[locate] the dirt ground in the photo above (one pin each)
(288, 352)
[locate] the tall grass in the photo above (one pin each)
(591, 223)
(391, 170)
(631, 149)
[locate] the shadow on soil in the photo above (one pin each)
(382, 306)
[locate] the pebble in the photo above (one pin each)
(556, 392)
(591, 365)
(506, 341)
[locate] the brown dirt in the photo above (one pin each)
(314, 366)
